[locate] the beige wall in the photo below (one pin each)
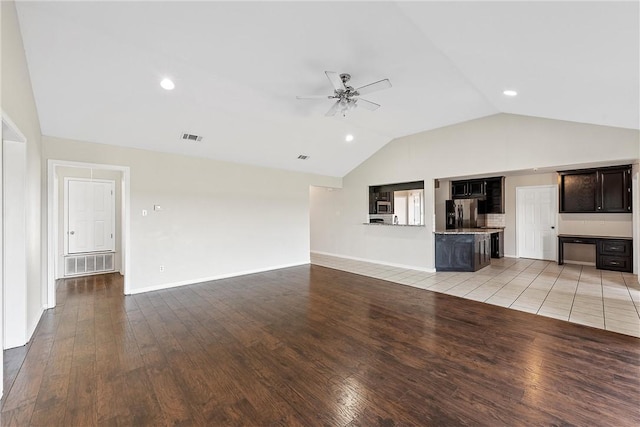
(218, 219)
(489, 146)
(87, 173)
(19, 104)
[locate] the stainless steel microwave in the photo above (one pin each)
(384, 207)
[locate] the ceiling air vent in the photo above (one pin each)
(190, 137)
(302, 157)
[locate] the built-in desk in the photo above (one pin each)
(612, 253)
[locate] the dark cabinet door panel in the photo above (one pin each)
(459, 189)
(578, 192)
(476, 188)
(614, 191)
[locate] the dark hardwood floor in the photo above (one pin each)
(312, 346)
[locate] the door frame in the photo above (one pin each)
(52, 220)
(519, 214)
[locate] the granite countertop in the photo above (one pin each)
(470, 231)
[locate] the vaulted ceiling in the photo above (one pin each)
(238, 66)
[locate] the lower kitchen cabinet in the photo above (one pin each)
(613, 254)
(462, 251)
(497, 244)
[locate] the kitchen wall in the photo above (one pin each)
(218, 219)
(19, 105)
(489, 146)
(71, 172)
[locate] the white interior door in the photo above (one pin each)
(90, 216)
(537, 212)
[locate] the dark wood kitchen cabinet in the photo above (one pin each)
(494, 196)
(459, 189)
(615, 254)
(488, 191)
(601, 190)
(469, 189)
(462, 251)
(614, 188)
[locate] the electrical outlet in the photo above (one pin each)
(162, 268)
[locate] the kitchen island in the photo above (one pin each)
(463, 249)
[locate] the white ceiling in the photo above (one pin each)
(238, 66)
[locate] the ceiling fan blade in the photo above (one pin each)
(314, 97)
(372, 87)
(334, 109)
(368, 105)
(335, 80)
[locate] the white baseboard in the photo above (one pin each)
(211, 278)
(373, 261)
(32, 328)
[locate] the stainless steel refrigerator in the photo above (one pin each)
(462, 213)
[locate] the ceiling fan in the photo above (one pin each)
(347, 98)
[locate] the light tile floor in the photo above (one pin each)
(599, 298)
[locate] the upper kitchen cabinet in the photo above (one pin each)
(614, 188)
(489, 191)
(601, 190)
(494, 199)
(474, 188)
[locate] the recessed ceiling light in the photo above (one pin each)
(510, 92)
(167, 84)
(348, 138)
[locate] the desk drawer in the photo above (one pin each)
(615, 263)
(615, 247)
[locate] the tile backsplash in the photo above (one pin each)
(494, 220)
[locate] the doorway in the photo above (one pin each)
(115, 257)
(536, 219)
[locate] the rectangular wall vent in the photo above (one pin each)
(191, 137)
(303, 157)
(80, 264)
